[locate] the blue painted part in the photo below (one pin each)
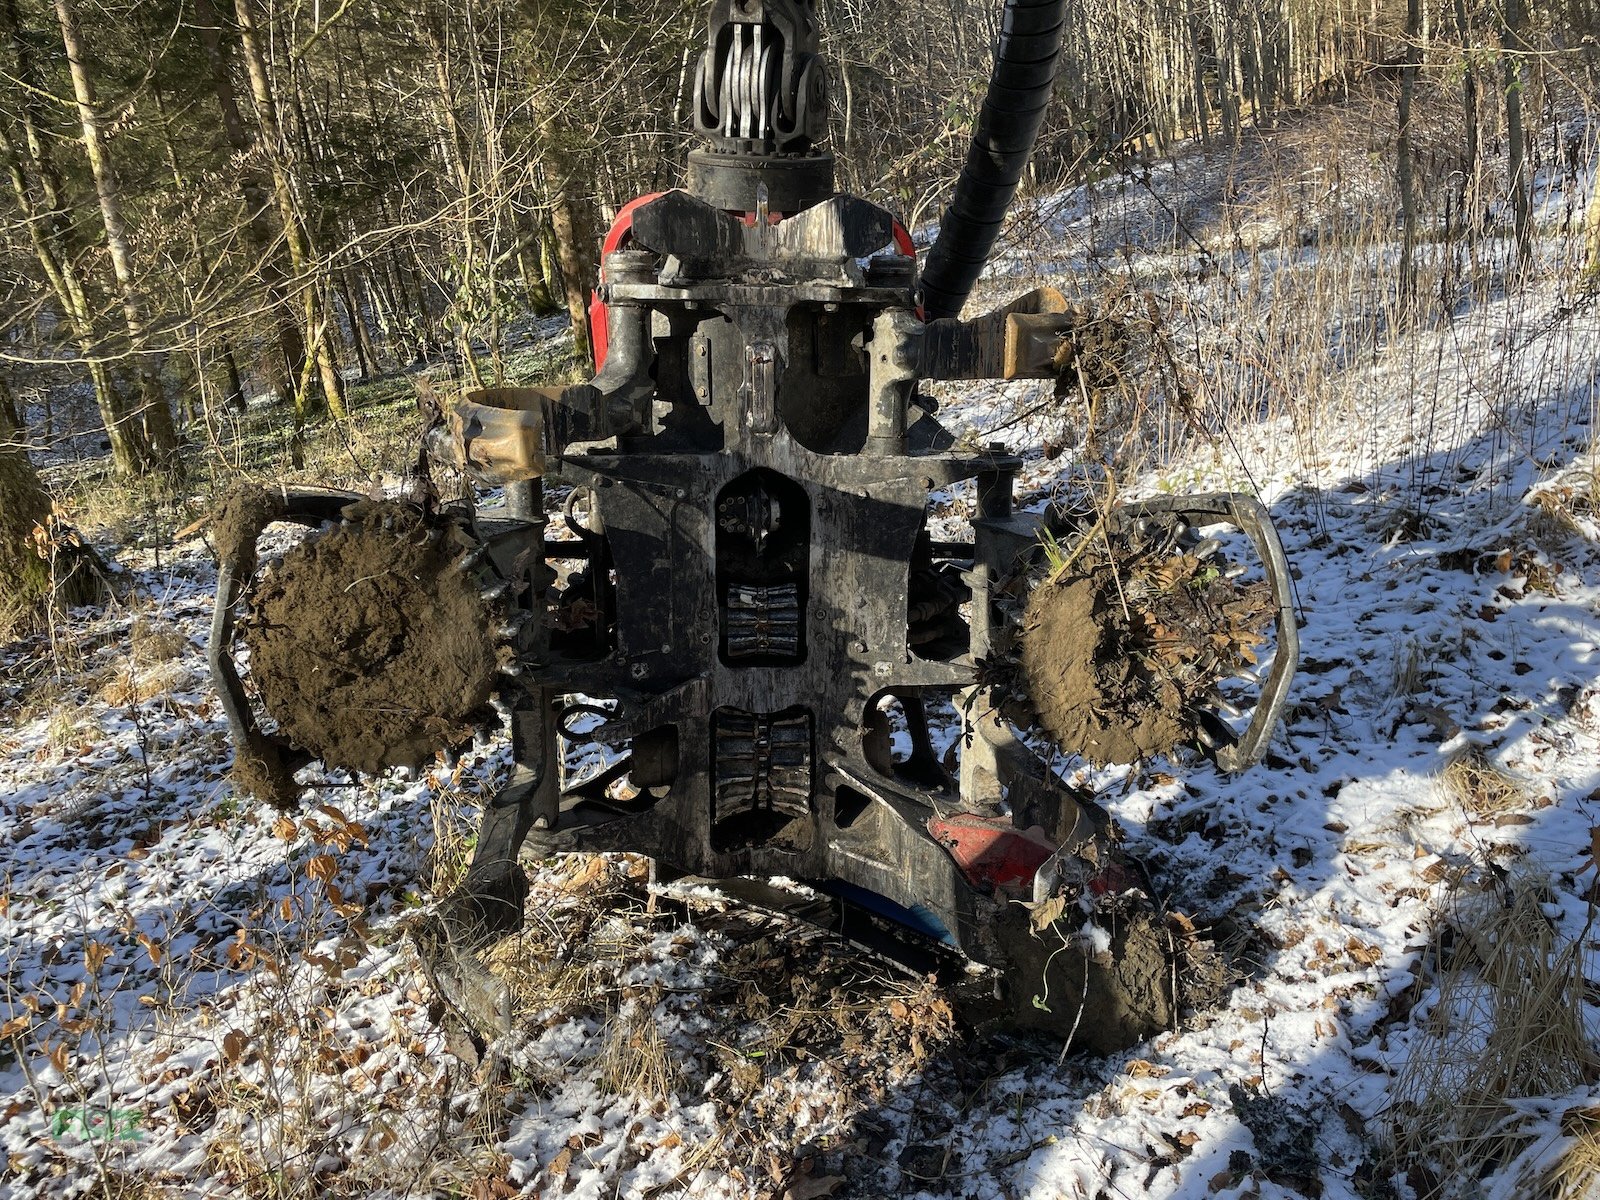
(919, 917)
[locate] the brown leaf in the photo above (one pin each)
(493, 1187)
(322, 867)
(234, 1045)
(1367, 956)
(152, 948)
(811, 1187)
(1045, 914)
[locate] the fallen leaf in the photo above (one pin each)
(1046, 913)
(560, 1164)
(811, 1187)
(496, 1187)
(234, 1045)
(1367, 956)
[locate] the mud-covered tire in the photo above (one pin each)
(371, 645)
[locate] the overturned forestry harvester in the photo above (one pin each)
(717, 607)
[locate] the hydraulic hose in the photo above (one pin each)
(1013, 110)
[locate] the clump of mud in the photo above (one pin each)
(370, 645)
(1141, 969)
(238, 520)
(259, 770)
(1121, 646)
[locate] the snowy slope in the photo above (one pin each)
(200, 996)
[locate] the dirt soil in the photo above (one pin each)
(1104, 1002)
(1119, 652)
(259, 770)
(239, 520)
(370, 647)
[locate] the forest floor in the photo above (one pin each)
(200, 995)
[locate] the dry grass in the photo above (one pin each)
(1571, 499)
(1506, 1025)
(1576, 1174)
(635, 1059)
(152, 641)
(1481, 788)
(582, 923)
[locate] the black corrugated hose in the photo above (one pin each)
(1014, 108)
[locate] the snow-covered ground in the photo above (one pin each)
(200, 996)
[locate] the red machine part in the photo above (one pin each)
(621, 234)
(991, 851)
(994, 854)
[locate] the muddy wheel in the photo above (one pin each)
(1130, 630)
(373, 645)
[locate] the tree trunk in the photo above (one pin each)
(230, 368)
(1592, 234)
(1511, 44)
(28, 581)
(307, 271)
(366, 346)
(283, 367)
(154, 413)
(576, 258)
(1197, 80)
(37, 186)
(1402, 151)
(1469, 114)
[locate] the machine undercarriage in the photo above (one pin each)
(721, 600)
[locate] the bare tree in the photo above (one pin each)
(153, 412)
(1512, 17)
(308, 274)
(1402, 152)
(39, 188)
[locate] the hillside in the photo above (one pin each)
(202, 996)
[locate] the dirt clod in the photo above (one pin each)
(238, 520)
(1105, 1000)
(259, 771)
(1108, 979)
(1121, 647)
(371, 647)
